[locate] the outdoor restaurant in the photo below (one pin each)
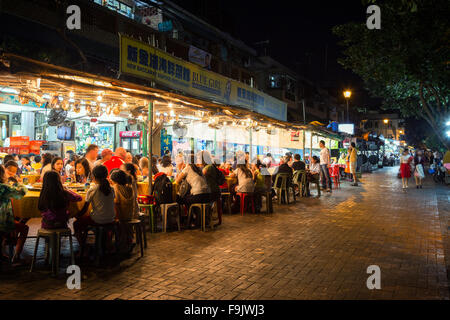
(51, 109)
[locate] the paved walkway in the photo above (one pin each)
(316, 249)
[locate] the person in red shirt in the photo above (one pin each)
(117, 160)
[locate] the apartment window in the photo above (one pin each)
(275, 81)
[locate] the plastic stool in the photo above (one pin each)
(54, 238)
(140, 234)
(243, 196)
(165, 207)
(204, 208)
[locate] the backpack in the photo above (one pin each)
(163, 189)
(220, 177)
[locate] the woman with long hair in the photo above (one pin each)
(46, 164)
(101, 197)
(419, 174)
(54, 201)
(17, 230)
(58, 165)
(405, 168)
(82, 171)
(130, 169)
(123, 201)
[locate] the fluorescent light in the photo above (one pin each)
(46, 96)
(9, 90)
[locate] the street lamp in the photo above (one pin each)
(347, 95)
(386, 121)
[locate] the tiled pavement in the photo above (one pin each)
(316, 249)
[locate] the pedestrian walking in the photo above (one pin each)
(419, 174)
(405, 168)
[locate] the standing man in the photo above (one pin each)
(324, 163)
(91, 155)
(353, 163)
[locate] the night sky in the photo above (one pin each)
(299, 33)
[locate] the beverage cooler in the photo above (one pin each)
(131, 141)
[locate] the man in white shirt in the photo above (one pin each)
(324, 163)
(91, 155)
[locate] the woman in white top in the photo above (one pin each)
(245, 179)
(199, 192)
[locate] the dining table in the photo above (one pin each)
(27, 207)
(32, 178)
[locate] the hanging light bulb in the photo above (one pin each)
(65, 106)
(124, 104)
(225, 123)
(116, 110)
(71, 94)
(99, 98)
(140, 118)
(170, 105)
(157, 120)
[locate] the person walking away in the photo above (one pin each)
(418, 170)
(324, 163)
(405, 168)
(353, 163)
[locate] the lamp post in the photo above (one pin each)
(347, 95)
(386, 121)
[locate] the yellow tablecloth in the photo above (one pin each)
(27, 207)
(32, 178)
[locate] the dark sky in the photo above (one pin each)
(299, 33)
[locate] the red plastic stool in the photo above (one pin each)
(242, 196)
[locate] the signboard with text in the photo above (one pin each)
(142, 60)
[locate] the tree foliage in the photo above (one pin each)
(406, 62)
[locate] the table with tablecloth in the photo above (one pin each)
(27, 207)
(32, 178)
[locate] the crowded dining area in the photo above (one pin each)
(149, 161)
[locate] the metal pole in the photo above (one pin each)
(304, 114)
(304, 145)
(348, 116)
(250, 152)
(310, 148)
(150, 146)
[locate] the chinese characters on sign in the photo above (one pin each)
(145, 61)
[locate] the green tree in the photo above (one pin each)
(406, 61)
